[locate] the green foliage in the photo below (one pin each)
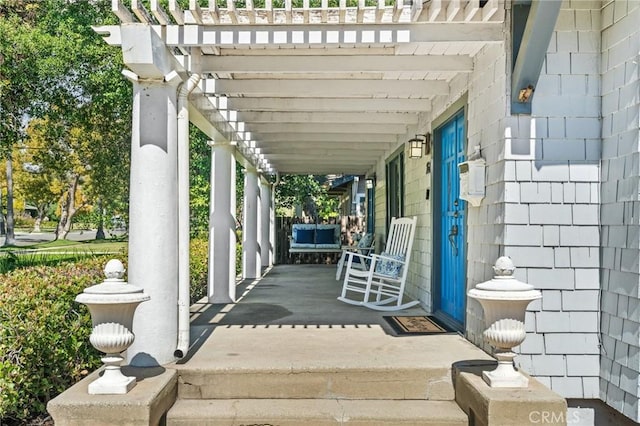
(57, 72)
(199, 182)
(44, 346)
(198, 265)
(308, 192)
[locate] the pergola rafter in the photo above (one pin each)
(354, 80)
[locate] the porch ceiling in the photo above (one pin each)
(320, 90)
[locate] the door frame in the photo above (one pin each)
(460, 106)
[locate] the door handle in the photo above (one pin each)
(452, 239)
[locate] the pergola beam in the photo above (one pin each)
(336, 64)
(327, 117)
(328, 104)
(537, 34)
(300, 35)
(300, 128)
(327, 154)
(325, 138)
(322, 169)
(328, 88)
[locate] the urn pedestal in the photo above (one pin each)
(504, 301)
(112, 305)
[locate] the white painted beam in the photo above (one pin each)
(325, 155)
(471, 9)
(351, 34)
(141, 12)
(328, 117)
(176, 11)
(327, 104)
(336, 64)
(195, 11)
(159, 13)
(121, 11)
(326, 138)
(303, 88)
(297, 168)
(321, 127)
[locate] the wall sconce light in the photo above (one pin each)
(415, 145)
(370, 182)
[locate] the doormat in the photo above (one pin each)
(417, 325)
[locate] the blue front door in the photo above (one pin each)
(452, 294)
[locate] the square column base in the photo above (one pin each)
(495, 406)
(146, 404)
(497, 380)
(108, 387)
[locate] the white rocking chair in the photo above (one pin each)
(364, 247)
(385, 277)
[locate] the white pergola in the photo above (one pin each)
(319, 89)
(315, 89)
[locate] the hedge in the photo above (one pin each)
(44, 333)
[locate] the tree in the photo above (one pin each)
(307, 192)
(36, 186)
(67, 75)
(20, 42)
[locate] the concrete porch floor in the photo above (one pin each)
(291, 319)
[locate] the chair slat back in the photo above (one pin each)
(401, 234)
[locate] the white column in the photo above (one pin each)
(222, 224)
(153, 221)
(250, 245)
(266, 249)
(272, 226)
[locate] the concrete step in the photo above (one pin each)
(322, 383)
(314, 412)
(322, 363)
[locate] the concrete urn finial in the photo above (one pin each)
(504, 300)
(112, 305)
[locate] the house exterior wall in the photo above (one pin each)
(551, 202)
(561, 200)
(620, 321)
(485, 224)
(416, 204)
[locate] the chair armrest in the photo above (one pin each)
(365, 248)
(377, 257)
(355, 253)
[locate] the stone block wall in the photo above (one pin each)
(416, 204)
(487, 107)
(570, 221)
(551, 199)
(619, 213)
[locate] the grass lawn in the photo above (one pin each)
(54, 252)
(92, 246)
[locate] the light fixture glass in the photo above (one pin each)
(415, 147)
(369, 183)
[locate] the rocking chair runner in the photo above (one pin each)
(384, 278)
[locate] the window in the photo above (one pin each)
(395, 187)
